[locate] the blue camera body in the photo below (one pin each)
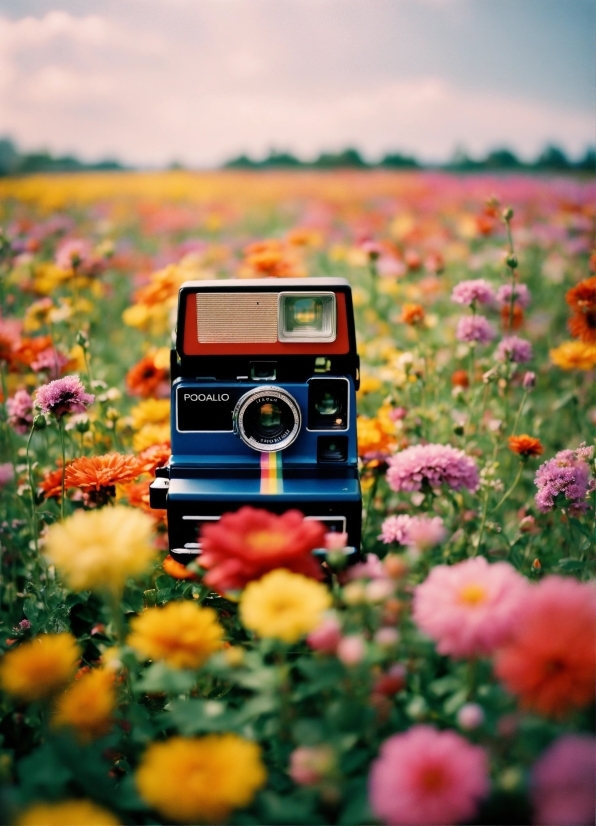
(263, 412)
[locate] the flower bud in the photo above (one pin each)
(537, 565)
(351, 649)
(507, 214)
(512, 261)
(39, 422)
(470, 716)
(527, 524)
(529, 380)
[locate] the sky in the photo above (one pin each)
(152, 82)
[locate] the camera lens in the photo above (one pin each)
(267, 419)
(327, 405)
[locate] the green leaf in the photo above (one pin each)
(159, 678)
(569, 564)
(356, 810)
(198, 716)
(287, 810)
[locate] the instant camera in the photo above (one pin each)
(264, 379)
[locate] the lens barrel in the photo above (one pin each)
(267, 419)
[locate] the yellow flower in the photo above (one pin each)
(182, 634)
(283, 605)
(150, 434)
(200, 779)
(373, 437)
(68, 813)
(100, 549)
(39, 668)
(369, 384)
(87, 705)
(574, 355)
(150, 411)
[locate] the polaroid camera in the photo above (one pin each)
(264, 380)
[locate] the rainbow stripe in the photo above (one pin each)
(271, 473)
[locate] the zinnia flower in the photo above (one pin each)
(101, 472)
(412, 314)
(100, 549)
(550, 660)
(525, 445)
(67, 813)
(88, 705)
(150, 411)
(425, 776)
(201, 779)
(62, 396)
(582, 297)
(38, 668)
(153, 457)
(73, 253)
(574, 355)
(146, 378)
(475, 328)
(563, 782)
(476, 291)
(434, 465)
(284, 605)
(564, 481)
(514, 349)
(583, 326)
(374, 440)
(182, 634)
(245, 545)
(470, 608)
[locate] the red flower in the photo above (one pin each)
(246, 545)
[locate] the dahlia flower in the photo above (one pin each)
(563, 784)
(434, 465)
(565, 481)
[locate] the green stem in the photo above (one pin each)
(511, 489)
(63, 449)
(519, 412)
(34, 528)
(483, 522)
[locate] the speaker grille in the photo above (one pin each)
(236, 317)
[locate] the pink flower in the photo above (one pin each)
(50, 360)
(351, 650)
(73, 252)
(6, 474)
(563, 782)
(425, 776)
(529, 380)
(470, 608)
(521, 295)
(371, 568)
(19, 408)
(325, 638)
(470, 716)
(336, 541)
(565, 481)
(474, 328)
(421, 532)
(395, 529)
(433, 465)
(66, 395)
(310, 765)
(477, 291)
(514, 349)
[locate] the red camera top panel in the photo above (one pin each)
(211, 321)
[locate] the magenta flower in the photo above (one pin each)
(51, 360)
(6, 474)
(66, 395)
(420, 532)
(475, 328)
(514, 349)
(529, 380)
(521, 295)
(563, 782)
(471, 608)
(424, 777)
(565, 481)
(20, 411)
(476, 291)
(432, 465)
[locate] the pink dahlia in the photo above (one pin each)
(471, 608)
(425, 776)
(564, 780)
(66, 395)
(514, 349)
(476, 291)
(433, 465)
(474, 328)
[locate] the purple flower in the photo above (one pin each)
(565, 480)
(563, 781)
(476, 291)
(521, 295)
(514, 349)
(529, 380)
(19, 408)
(434, 465)
(414, 531)
(66, 395)
(474, 328)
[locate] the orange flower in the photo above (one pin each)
(582, 297)
(177, 569)
(550, 662)
(137, 494)
(525, 445)
(412, 314)
(583, 326)
(100, 472)
(154, 456)
(270, 259)
(52, 484)
(374, 442)
(460, 378)
(144, 378)
(28, 349)
(512, 323)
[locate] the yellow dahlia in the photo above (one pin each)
(182, 634)
(68, 813)
(200, 780)
(283, 605)
(87, 705)
(100, 549)
(38, 668)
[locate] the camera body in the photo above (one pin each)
(263, 412)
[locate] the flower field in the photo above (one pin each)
(448, 677)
